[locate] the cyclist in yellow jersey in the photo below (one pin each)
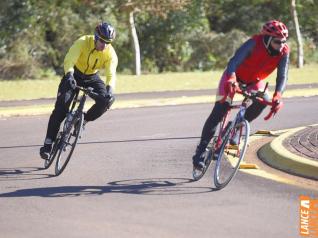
(86, 56)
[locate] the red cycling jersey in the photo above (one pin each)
(259, 64)
(252, 63)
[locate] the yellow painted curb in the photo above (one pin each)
(135, 103)
(274, 177)
(263, 132)
(248, 166)
(280, 158)
(46, 109)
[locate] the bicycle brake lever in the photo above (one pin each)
(89, 90)
(266, 86)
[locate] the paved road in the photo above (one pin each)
(130, 177)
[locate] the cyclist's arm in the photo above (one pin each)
(73, 54)
(110, 69)
(240, 55)
(282, 74)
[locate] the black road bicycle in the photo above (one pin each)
(66, 140)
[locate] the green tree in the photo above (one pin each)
(245, 15)
(300, 53)
(157, 7)
(166, 41)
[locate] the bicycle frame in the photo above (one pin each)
(240, 114)
(81, 100)
(224, 124)
(230, 142)
(71, 132)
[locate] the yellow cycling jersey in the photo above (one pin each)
(88, 60)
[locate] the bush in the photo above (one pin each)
(309, 48)
(211, 50)
(19, 63)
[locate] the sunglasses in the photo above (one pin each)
(104, 42)
(101, 40)
(279, 42)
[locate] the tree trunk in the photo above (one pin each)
(300, 52)
(135, 40)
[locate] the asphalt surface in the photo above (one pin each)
(131, 177)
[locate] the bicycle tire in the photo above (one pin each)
(49, 161)
(230, 157)
(65, 144)
(197, 174)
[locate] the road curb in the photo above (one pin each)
(124, 104)
(277, 156)
(42, 109)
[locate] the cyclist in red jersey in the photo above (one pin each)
(257, 58)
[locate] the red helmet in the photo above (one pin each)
(275, 28)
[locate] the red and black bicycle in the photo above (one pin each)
(229, 145)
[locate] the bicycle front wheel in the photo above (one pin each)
(67, 145)
(231, 153)
(49, 161)
(198, 173)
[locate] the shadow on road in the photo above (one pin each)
(152, 186)
(22, 173)
(27, 173)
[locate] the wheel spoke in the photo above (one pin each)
(230, 156)
(66, 151)
(198, 173)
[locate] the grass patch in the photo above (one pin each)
(46, 109)
(34, 89)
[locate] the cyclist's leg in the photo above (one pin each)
(256, 108)
(101, 101)
(64, 98)
(218, 112)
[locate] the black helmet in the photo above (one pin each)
(105, 32)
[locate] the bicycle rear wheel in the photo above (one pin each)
(67, 144)
(230, 156)
(49, 161)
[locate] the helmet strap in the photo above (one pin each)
(267, 42)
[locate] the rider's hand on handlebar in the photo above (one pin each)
(109, 92)
(231, 85)
(109, 96)
(277, 102)
(277, 97)
(71, 80)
